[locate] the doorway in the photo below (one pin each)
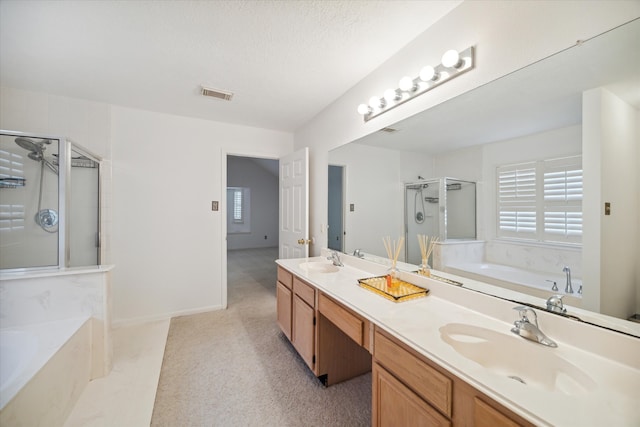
(336, 232)
(251, 221)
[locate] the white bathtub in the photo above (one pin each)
(531, 282)
(43, 368)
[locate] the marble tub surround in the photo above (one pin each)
(520, 280)
(40, 296)
(526, 256)
(535, 257)
(47, 389)
(611, 360)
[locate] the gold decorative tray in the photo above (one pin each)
(397, 292)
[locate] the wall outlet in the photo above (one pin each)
(214, 205)
(352, 207)
(265, 237)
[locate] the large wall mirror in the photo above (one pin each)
(573, 115)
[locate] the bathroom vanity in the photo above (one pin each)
(449, 358)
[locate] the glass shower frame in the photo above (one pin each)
(442, 210)
(65, 148)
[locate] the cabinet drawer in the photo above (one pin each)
(306, 292)
(344, 319)
(284, 277)
(424, 380)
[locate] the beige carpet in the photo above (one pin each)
(235, 368)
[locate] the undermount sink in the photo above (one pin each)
(510, 356)
(319, 267)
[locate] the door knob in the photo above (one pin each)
(303, 241)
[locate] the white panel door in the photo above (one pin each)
(294, 205)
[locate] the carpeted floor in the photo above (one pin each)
(235, 368)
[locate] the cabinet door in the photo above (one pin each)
(486, 416)
(283, 301)
(395, 405)
(303, 334)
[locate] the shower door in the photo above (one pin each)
(29, 211)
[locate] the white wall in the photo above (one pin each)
(244, 172)
(610, 148)
(167, 243)
(508, 36)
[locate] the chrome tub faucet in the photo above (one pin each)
(530, 330)
(568, 288)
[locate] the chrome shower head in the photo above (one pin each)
(29, 144)
(35, 147)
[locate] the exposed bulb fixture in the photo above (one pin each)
(429, 73)
(451, 59)
(364, 109)
(391, 95)
(453, 64)
(407, 85)
(376, 102)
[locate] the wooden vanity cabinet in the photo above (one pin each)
(296, 312)
(303, 331)
(284, 293)
(410, 390)
(332, 340)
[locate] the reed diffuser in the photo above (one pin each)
(426, 248)
(393, 251)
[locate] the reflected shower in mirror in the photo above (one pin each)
(564, 130)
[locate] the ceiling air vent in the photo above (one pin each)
(388, 130)
(215, 93)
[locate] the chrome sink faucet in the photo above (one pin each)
(530, 330)
(358, 253)
(335, 258)
(568, 289)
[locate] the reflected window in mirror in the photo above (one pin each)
(541, 201)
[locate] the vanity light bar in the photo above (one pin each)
(452, 65)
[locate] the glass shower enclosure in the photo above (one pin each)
(442, 207)
(49, 202)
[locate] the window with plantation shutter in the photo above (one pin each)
(238, 210)
(563, 200)
(12, 215)
(517, 201)
(541, 201)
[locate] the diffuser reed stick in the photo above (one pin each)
(426, 248)
(393, 249)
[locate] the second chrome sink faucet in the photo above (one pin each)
(335, 258)
(530, 330)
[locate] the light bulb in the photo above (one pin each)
(428, 73)
(376, 102)
(364, 109)
(406, 84)
(391, 95)
(451, 59)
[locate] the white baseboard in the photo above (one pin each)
(119, 323)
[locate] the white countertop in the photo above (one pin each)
(610, 360)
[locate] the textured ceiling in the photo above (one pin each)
(284, 60)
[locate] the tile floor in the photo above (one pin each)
(125, 397)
